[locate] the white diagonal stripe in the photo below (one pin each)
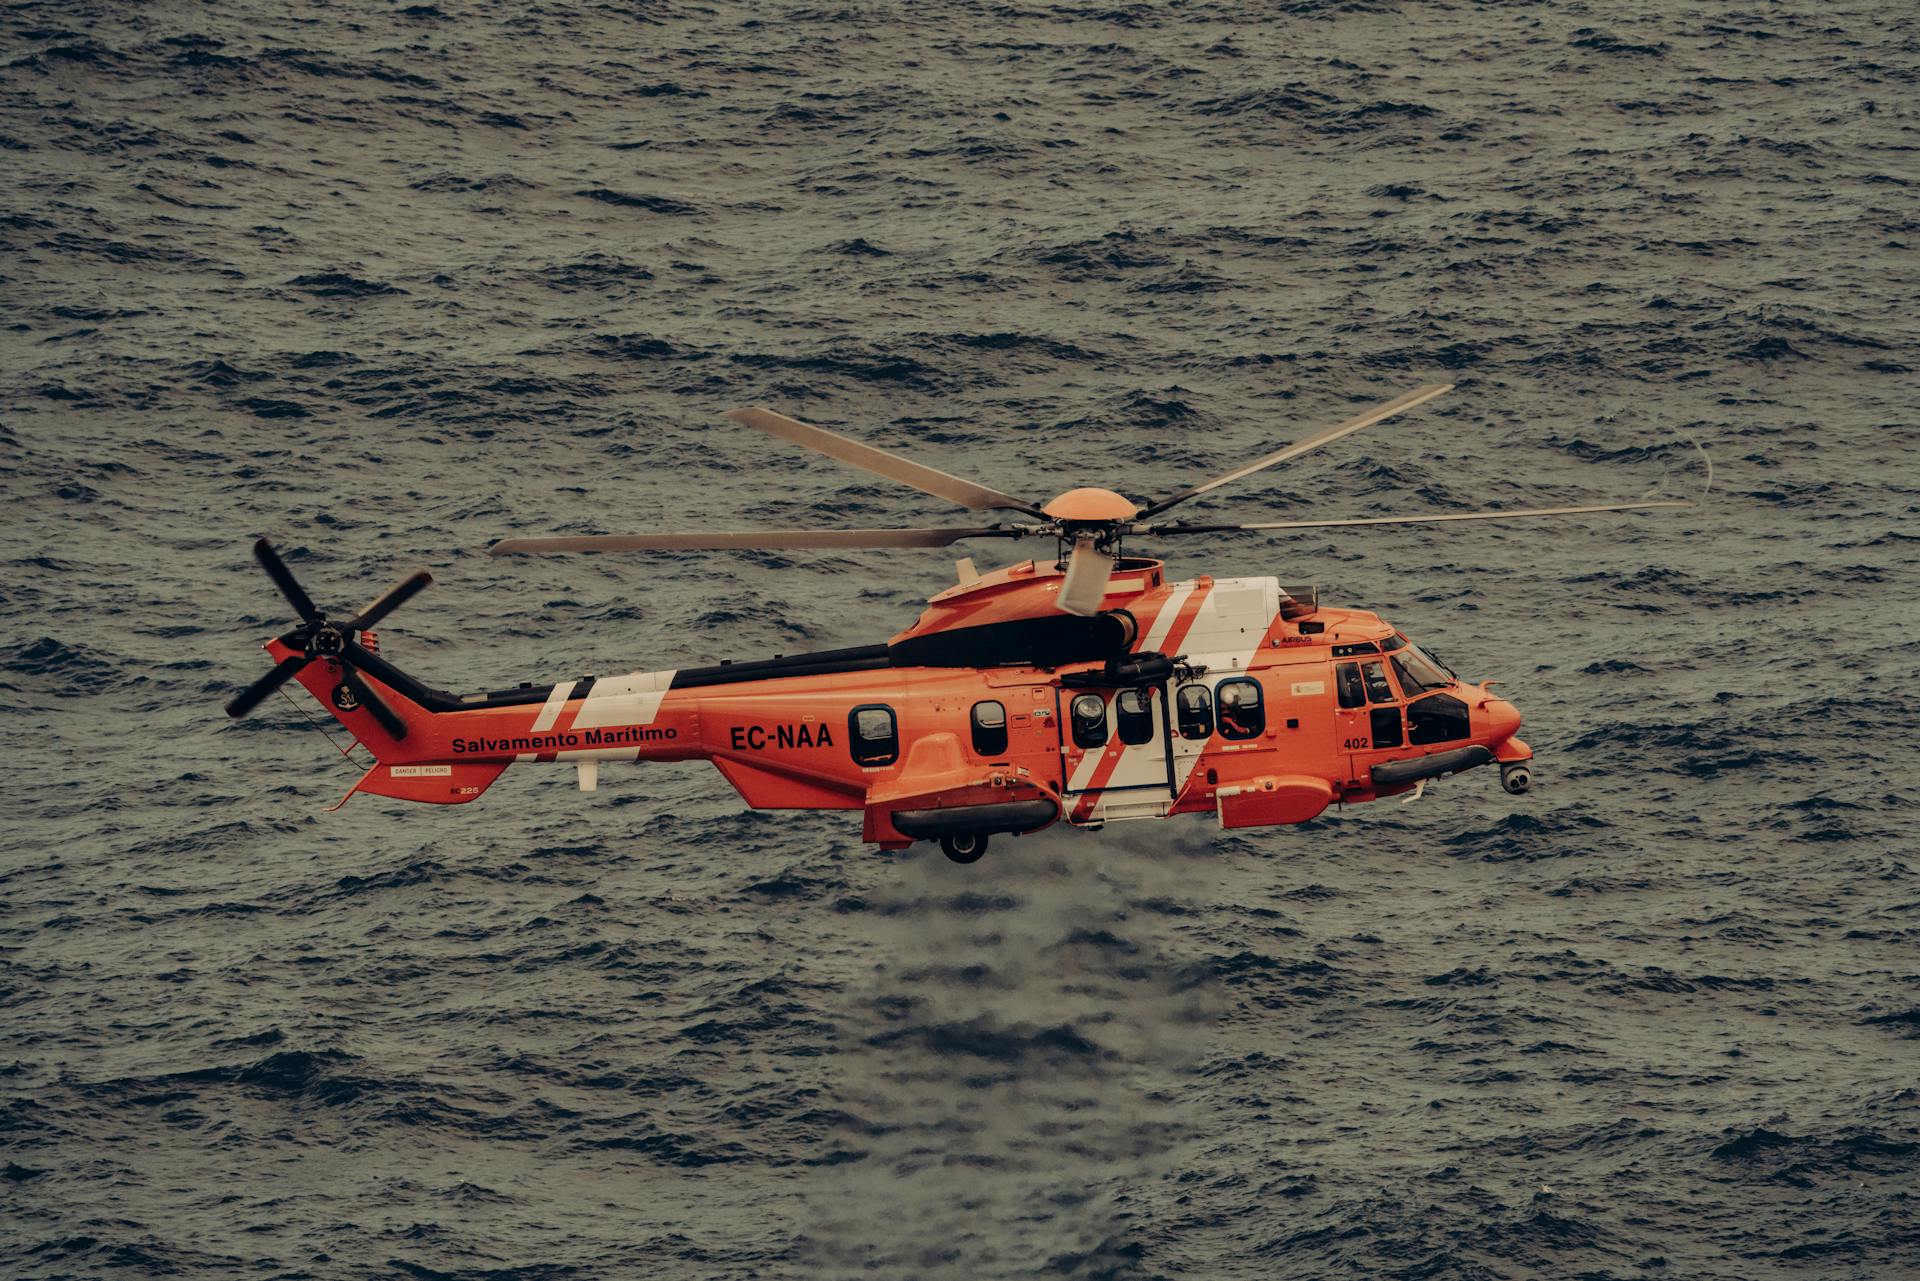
(550, 711)
(624, 700)
(1163, 621)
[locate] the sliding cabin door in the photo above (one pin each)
(1115, 752)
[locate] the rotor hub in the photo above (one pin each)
(1091, 506)
(327, 641)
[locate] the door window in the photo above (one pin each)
(1194, 709)
(1243, 712)
(1386, 726)
(1133, 716)
(1089, 715)
(1352, 692)
(989, 728)
(1378, 690)
(873, 736)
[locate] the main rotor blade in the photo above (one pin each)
(1418, 396)
(249, 698)
(283, 579)
(752, 540)
(881, 463)
(389, 721)
(1518, 514)
(396, 596)
(1085, 585)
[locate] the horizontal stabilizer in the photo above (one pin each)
(442, 783)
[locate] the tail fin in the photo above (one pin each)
(405, 770)
(351, 696)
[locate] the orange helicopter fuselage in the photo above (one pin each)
(994, 713)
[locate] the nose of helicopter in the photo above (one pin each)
(1503, 721)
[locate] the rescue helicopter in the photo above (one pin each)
(1083, 688)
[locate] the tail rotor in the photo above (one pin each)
(320, 639)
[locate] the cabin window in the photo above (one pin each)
(1391, 643)
(1386, 726)
(990, 728)
(1089, 715)
(873, 736)
(1378, 690)
(1194, 708)
(1133, 716)
(1243, 712)
(1352, 692)
(1438, 718)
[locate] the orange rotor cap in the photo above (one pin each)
(1091, 504)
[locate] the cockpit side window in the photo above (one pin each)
(1089, 715)
(1352, 692)
(1437, 718)
(1378, 689)
(1194, 707)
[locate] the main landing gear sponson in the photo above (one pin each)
(964, 848)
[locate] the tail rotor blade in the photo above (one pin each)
(249, 698)
(283, 579)
(396, 596)
(390, 722)
(1085, 585)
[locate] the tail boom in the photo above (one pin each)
(451, 753)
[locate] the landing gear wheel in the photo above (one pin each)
(1516, 778)
(965, 848)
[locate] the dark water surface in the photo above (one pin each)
(391, 282)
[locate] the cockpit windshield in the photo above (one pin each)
(1417, 672)
(1438, 662)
